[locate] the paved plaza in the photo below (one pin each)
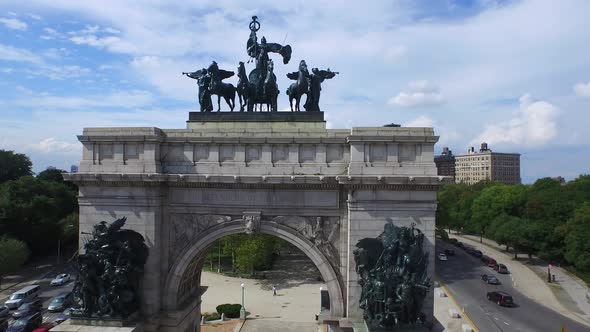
(297, 299)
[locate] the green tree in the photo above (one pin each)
(13, 254)
(577, 250)
(255, 252)
(51, 174)
(32, 211)
(14, 165)
(496, 200)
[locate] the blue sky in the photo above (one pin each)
(515, 74)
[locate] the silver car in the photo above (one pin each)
(60, 302)
(60, 279)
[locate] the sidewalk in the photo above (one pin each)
(442, 312)
(567, 296)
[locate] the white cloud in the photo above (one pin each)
(130, 99)
(52, 145)
(419, 93)
(51, 34)
(94, 41)
(421, 121)
(582, 89)
(533, 124)
(13, 23)
(9, 53)
(35, 17)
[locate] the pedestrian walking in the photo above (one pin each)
(274, 290)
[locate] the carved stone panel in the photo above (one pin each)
(131, 151)
(323, 232)
(226, 152)
(253, 153)
(334, 152)
(378, 152)
(186, 228)
(407, 152)
(201, 152)
(307, 153)
(280, 152)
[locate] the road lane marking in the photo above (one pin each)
(506, 323)
(496, 318)
(475, 329)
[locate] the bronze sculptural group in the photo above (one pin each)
(109, 272)
(393, 277)
(259, 88)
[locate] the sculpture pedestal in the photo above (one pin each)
(69, 326)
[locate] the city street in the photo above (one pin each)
(462, 276)
(47, 293)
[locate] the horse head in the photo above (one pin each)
(241, 70)
(302, 65)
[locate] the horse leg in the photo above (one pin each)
(218, 103)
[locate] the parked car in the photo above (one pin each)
(4, 312)
(491, 262)
(501, 298)
(26, 324)
(502, 269)
(442, 257)
(27, 309)
(490, 279)
(61, 279)
(460, 244)
(3, 324)
(449, 252)
(60, 302)
(453, 241)
(477, 253)
(44, 328)
(484, 259)
(21, 296)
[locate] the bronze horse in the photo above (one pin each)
(244, 89)
(217, 87)
(299, 88)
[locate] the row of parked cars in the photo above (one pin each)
(499, 297)
(28, 308)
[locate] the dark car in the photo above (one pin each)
(484, 259)
(27, 309)
(501, 298)
(449, 252)
(3, 324)
(502, 269)
(477, 253)
(453, 241)
(26, 324)
(60, 302)
(460, 244)
(490, 279)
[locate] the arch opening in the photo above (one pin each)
(192, 260)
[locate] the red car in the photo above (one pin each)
(44, 328)
(491, 262)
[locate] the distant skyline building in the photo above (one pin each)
(474, 166)
(445, 163)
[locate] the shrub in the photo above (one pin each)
(230, 310)
(211, 316)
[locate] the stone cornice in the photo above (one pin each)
(415, 183)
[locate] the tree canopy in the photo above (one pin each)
(13, 254)
(548, 218)
(14, 165)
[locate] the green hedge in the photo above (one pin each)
(230, 310)
(211, 316)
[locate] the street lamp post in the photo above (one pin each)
(219, 258)
(242, 309)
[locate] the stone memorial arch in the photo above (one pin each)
(282, 174)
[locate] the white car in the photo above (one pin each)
(60, 279)
(4, 311)
(442, 257)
